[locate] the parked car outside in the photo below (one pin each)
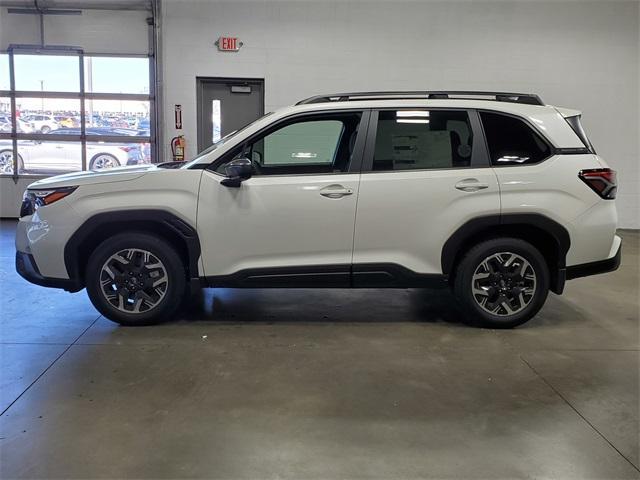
(36, 156)
(42, 123)
(23, 126)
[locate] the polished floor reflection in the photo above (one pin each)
(320, 384)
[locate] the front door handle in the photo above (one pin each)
(335, 191)
(471, 185)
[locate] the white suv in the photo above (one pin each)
(496, 195)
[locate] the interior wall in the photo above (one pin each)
(583, 55)
(96, 31)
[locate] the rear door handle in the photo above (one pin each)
(335, 191)
(471, 185)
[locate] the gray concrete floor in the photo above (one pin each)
(320, 384)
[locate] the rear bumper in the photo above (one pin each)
(27, 269)
(595, 268)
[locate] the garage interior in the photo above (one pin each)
(303, 383)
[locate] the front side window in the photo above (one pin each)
(320, 144)
(422, 139)
(511, 141)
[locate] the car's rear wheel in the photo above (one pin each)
(6, 162)
(103, 161)
(502, 282)
(136, 279)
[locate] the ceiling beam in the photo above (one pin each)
(45, 5)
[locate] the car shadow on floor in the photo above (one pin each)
(323, 305)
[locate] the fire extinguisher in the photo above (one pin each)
(177, 148)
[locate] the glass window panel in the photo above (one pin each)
(511, 141)
(4, 72)
(47, 115)
(5, 115)
(422, 139)
(116, 75)
(117, 117)
(36, 157)
(47, 73)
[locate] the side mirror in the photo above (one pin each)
(237, 171)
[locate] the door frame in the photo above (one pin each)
(201, 82)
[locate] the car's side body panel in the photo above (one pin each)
(552, 188)
(46, 233)
(275, 221)
(405, 217)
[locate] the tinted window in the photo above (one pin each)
(316, 144)
(422, 139)
(511, 141)
(576, 125)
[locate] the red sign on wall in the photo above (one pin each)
(228, 44)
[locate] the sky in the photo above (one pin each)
(61, 74)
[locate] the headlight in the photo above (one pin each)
(33, 199)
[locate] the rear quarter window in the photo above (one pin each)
(511, 141)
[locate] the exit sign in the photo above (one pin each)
(228, 44)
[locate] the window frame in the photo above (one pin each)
(553, 150)
(479, 155)
(358, 149)
(81, 95)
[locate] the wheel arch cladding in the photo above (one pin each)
(182, 236)
(547, 235)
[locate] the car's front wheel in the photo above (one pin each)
(103, 161)
(135, 279)
(6, 162)
(502, 282)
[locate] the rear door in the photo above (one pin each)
(425, 173)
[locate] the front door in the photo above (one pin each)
(291, 223)
(425, 174)
(226, 105)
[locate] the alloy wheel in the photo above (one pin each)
(6, 162)
(102, 162)
(504, 284)
(134, 280)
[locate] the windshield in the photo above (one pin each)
(221, 142)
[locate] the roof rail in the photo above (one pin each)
(527, 98)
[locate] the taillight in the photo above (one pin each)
(601, 180)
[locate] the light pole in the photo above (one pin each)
(41, 98)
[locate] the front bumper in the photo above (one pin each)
(27, 269)
(594, 268)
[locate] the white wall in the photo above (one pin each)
(581, 54)
(96, 31)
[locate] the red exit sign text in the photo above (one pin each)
(228, 44)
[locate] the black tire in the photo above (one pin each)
(174, 269)
(502, 285)
(111, 158)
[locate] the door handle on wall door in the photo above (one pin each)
(471, 185)
(335, 191)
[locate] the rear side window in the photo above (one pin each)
(576, 125)
(511, 141)
(422, 139)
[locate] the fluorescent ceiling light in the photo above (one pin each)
(412, 113)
